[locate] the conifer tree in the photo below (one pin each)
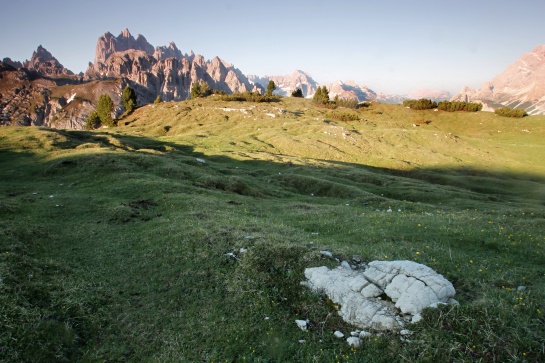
(129, 99)
(104, 109)
(270, 88)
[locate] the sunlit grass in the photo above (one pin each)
(118, 245)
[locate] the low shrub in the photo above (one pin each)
(452, 106)
(509, 112)
(421, 104)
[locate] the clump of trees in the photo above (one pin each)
(129, 99)
(200, 89)
(509, 112)
(321, 96)
(102, 115)
(297, 93)
(421, 104)
(453, 106)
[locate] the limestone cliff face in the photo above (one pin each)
(162, 71)
(520, 85)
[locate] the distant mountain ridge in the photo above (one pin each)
(520, 85)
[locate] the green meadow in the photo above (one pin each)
(182, 234)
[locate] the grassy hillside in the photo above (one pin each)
(114, 244)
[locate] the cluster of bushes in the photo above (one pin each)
(421, 104)
(509, 112)
(250, 97)
(343, 116)
(452, 106)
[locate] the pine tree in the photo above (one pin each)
(196, 90)
(93, 121)
(129, 99)
(325, 94)
(318, 95)
(270, 88)
(104, 109)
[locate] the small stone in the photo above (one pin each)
(326, 253)
(302, 324)
(346, 265)
(201, 161)
(521, 288)
(249, 237)
(301, 341)
(354, 342)
(267, 318)
(242, 250)
(355, 333)
(34, 193)
(365, 334)
(405, 332)
(389, 210)
(416, 318)
(51, 196)
(338, 334)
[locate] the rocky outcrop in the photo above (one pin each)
(385, 296)
(45, 64)
(14, 64)
(163, 70)
(521, 85)
(351, 91)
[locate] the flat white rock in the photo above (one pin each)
(409, 287)
(354, 342)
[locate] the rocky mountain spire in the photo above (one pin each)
(43, 62)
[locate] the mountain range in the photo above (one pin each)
(42, 92)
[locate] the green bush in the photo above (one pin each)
(509, 112)
(200, 89)
(158, 100)
(452, 106)
(421, 104)
(343, 116)
(270, 88)
(297, 93)
(250, 97)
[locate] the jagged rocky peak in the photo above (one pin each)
(520, 85)
(108, 44)
(11, 63)
(164, 52)
(43, 62)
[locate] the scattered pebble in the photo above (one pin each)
(354, 342)
(201, 161)
(242, 250)
(346, 265)
(365, 334)
(302, 324)
(302, 341)
(34, 193)
(405, 332)
(267, 318)
(355, 333)
(51, 196)
(521, 288)
(338, 334)
(389, 210)
(326, 253)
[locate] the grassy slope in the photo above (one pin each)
(113, 243)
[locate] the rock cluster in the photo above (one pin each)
(384, 296)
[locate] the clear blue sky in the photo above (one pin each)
(390, 46)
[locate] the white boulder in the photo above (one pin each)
(384, 296)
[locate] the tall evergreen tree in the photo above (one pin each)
(129, 99)
(104, 109)
(270, 88)
(325, 94)
(318, 95)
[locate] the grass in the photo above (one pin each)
(118, 245)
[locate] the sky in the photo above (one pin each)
(390, 46)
